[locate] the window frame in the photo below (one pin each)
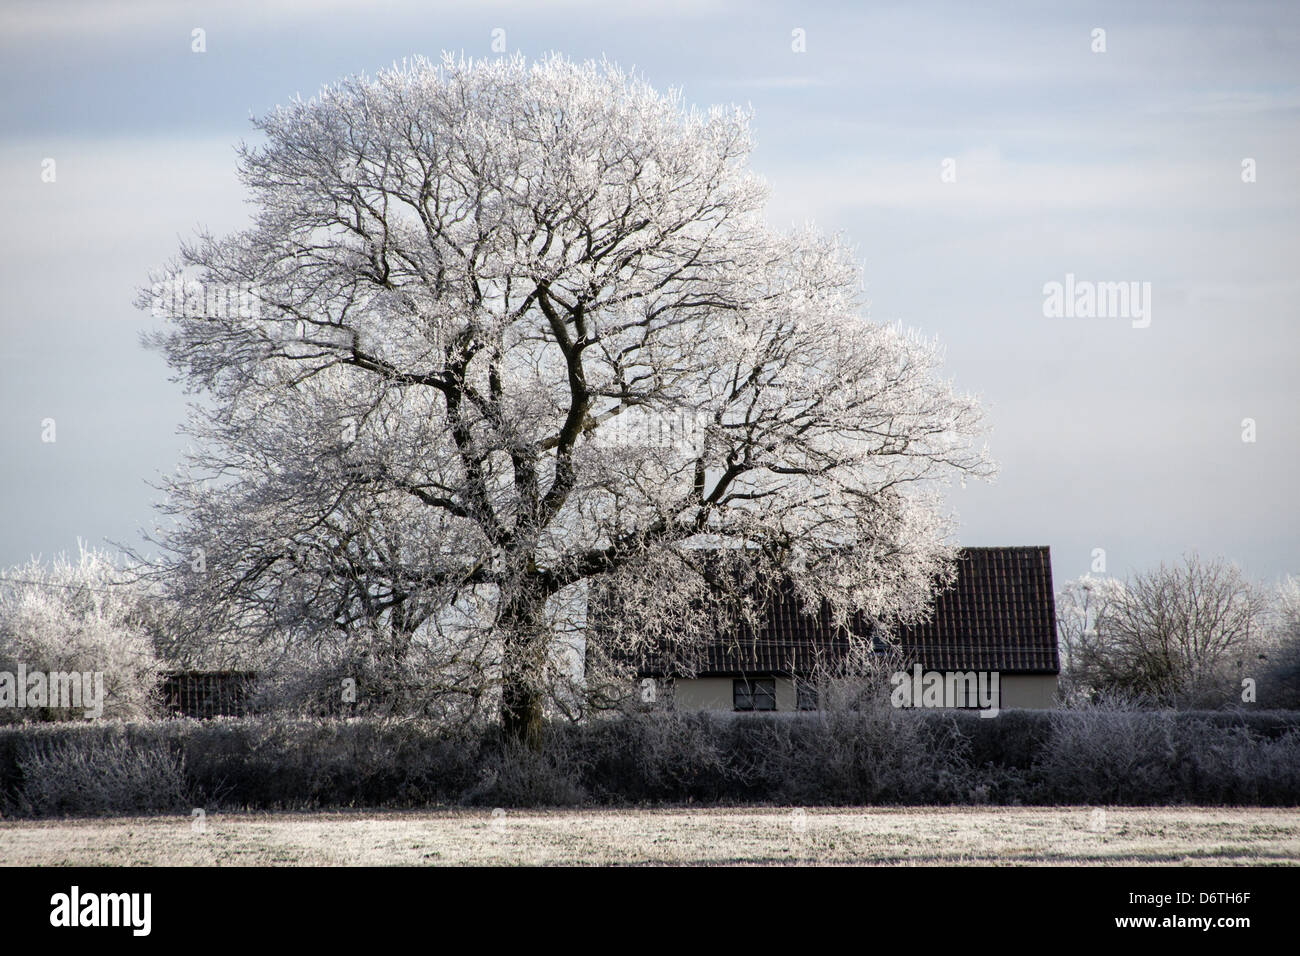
(754, 689)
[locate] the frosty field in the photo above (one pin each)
(714, 836)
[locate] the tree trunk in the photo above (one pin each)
(522, 668)
(521, 713)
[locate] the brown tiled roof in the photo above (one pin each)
(999, 614)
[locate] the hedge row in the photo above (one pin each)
(852, 758)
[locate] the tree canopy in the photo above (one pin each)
(523, 326)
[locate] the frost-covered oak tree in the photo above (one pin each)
(522, 331)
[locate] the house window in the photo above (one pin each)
(754, 694)
(806, 696)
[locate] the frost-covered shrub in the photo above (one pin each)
(1127, 756)
(1104, 755)
(1087, 757)
(518, 776)
(96, 776)
(86, 616)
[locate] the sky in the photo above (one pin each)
(972, 156)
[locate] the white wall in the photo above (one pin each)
(714, 693)
(1030, 691)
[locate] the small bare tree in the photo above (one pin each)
(1280, 687)
(1178, 635)
(1082, 609)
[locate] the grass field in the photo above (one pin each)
(891, 836)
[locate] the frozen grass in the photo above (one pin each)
(891, 836)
